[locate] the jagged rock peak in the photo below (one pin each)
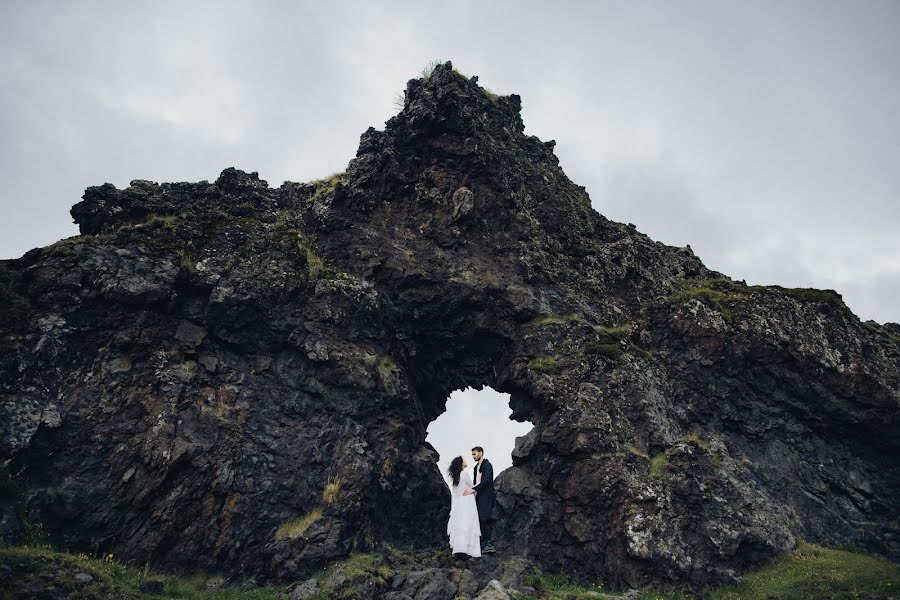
(445, 100)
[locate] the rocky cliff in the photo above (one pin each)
(236, 377)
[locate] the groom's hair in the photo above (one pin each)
(479, 448)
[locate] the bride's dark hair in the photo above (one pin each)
(455, 469)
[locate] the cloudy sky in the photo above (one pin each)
(764, 134)
(476, 418)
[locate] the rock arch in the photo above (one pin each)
(230, 376)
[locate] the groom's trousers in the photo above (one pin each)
(485, 525)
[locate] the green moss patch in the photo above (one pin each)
(558, 587)
(812, 572)
(541, 320)
(44, 567)
(658, 464)
(606, 350)
(544, 364)
(294, 528)
(610, 342)
(325, 186)
(809, 573)
(618, 332)
(708, 296)
(881, 330)
(811, 295)
(637, 452)
(387, 370)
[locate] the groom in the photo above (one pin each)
(484, 499)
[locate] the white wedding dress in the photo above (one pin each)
(463, 527)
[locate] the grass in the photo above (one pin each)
(325, 186)
(362, 565)
(113, 579)
(694, 440)
(315, 265)
(709, 296)
(808, 573)
(658, 464)
(354, 578)
(618, 332)
(715, 292)
(551, 320)
(294, 528)
(166, 222)
(387, 368)
(187, 261)
(558, 587)
(815, 572)
(611, 342)
(330, 493)
(607, 350)
(811, 295)
(637, 452)
(285, 232)
(544, 364)
(428, 70)
(881, 330)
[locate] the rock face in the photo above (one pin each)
(234, 377)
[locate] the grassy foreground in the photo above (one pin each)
(110, 578)
(810, 572)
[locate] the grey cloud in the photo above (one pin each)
(476, 418)
(763, 134)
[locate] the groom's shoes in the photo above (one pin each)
(488, 549)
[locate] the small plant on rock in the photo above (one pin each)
(294, 528)
(330, 493)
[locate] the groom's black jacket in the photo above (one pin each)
(484, 499)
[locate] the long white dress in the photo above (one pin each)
(463, 527)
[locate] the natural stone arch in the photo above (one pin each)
(322, 324)
(482, 417)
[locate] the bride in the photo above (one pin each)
(462, 527)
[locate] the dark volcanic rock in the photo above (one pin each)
(233, 377)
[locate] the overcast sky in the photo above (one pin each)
(476, 418)
(764, 134)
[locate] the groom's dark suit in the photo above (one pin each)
(484, 499)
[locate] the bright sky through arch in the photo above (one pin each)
(476, 418)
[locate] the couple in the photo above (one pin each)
(471, 505)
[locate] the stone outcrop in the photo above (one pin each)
(236, 377)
